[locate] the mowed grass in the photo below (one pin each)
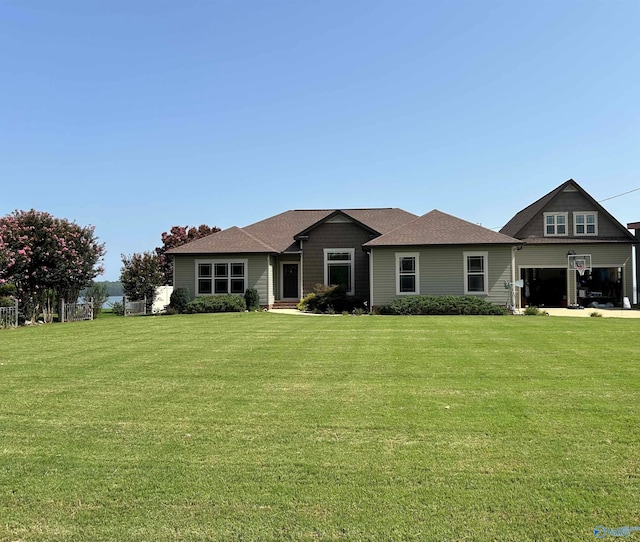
(274, 427)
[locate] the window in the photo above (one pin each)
(555, 224)
(407, 274)
(475, 272)
(585, 223)
(338, 267)
(221, 277)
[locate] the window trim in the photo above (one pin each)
(416, 272)
(555, 224)
(585, 214)
(213, 278)
(485, 271)
(351, 262)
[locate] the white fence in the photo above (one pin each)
(9, 316)
(75, 312)
(135, 308)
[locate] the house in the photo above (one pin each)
(573, 251)
(376, 254)
(565, 248)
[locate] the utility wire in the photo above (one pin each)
(623, 194)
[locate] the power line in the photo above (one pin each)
(623, 194)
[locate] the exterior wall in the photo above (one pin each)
(441, 271)
(571, 202)
(258, 272)
(336, 235)
(602, 255)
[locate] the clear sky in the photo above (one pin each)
(137, 115)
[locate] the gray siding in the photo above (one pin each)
(259, 271)
(441, 271)
(570, 202)
(343, 235)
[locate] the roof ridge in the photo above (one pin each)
(255, 238)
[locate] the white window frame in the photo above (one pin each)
(555, 225)
(351, 262)
(400, 273)
(229, 278)
(467, 274)
(585, 214)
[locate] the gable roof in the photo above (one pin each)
(438, 228)
(521, 219)
(276, 234)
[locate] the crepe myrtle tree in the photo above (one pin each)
(179, 235)
(47, 258)
(140, 276)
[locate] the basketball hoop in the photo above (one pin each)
(580, 263)
(581, 268)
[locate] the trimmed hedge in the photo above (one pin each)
(442, 305)
(217, 303)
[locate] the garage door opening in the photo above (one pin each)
(544, 287)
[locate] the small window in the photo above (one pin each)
(338, 268)
(475, 272)
(555, 224)
(585, 223)
(407, 274)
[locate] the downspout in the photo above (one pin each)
(269, 279)
(370, 280)
(516, 302)
(301, 270)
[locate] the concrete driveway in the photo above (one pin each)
(586, 312)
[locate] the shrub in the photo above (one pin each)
(179, 300)
(596, 314)
(6, 302)
(307, 301)
(117, 308)
(329, 300)
(252, 299)
(442, 305)
(535, 311)
(217, 303)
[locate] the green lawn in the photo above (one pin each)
(273, 427)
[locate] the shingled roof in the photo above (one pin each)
(276, 234)
(438, 228)
(521, 219)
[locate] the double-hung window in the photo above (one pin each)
(585, 223)
(221, 277)
(407, 273)
(338, 268)
(555, 224)
(475, 272)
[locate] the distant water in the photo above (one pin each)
(111, 300)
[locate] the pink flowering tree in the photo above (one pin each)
(179, 235)
(47, 258)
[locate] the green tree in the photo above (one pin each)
(97, 291)
(140, 276)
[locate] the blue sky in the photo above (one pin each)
(138, 115)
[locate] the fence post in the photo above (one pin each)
(145, 305)
(61, 315)
(91, 308)
(124, 305)
(16, 312)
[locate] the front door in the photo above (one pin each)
(289, 281)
